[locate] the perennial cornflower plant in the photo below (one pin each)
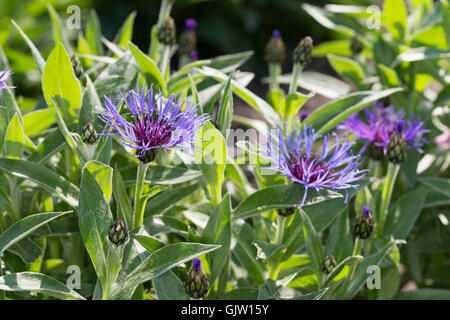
(158, 173)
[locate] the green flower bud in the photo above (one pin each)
(286, 212)
(188, 39)
(147, 156)
(88, 133)
(275, 51)
(303, 52)
(197, 283)
(328, 264)
(396, 149)
(364, 224)
(166, 32)
(356, 45)
(77, 67)
(118, 233)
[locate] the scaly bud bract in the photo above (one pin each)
(118, 233)
(364, 224)
(303, 52)
(197, 282)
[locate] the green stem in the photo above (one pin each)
(165, 61)
(274, 72)
(139, 201)
(280, 229)
(386, 196)
(183, 60)
(296, 70)
(164, 13)
(351, 273)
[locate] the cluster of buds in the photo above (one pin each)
(275, 50)
(77, 67)
(364, 224)
(286, 212)
(197, 282)
(328, 264)
(396, 149)
(356, 46)
(88, 133)
(303, 52)
(118, 233)
(188, 39)
(166, 32)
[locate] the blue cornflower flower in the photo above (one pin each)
(292, 154)
(152, 124)
(4, 77)
(381, 123)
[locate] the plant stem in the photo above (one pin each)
(386, 196)
(183, 60)
(356, 251)
(280, 229)
(139, 201)
(296, 70)
(274, 72)
(165, 61)
(164, 13)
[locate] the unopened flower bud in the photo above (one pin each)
(188, 39)
(88, 133)
(147, 156)
(364, 224)
(356, 45)
(194, 55)
(77, 67)
(303, 52)
(396, 149)
(275, 51)
(197, 283)
(328, 264)
(286, 212)
(118, 233)
(166, 32)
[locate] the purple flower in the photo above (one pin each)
(152, 123)
(190, 24)
(366, 210)
(4, 77)
(197, 264)
(292, 154)
(276, 33)
(381, 123)
(194, 55)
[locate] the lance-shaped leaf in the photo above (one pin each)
(148, 67)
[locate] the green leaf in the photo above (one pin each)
(162, 201)
(313, 245)
(440, 185)
(35, 122)
(43, 176)
(280, 196)
(148, 67)
(337, 47)
(424, 294)
(169, 287)
(388, 76)
(102, 175)
(225, 113)
(60, 83)
(162, 261)
(211, 161)
(230, 62)
(37, 282)
(24, 227)
(312, 296)
(404, 213)
(59, 35)
(292, 104)
(53, 143)
(161, 175)
(14, 139)
(126, 31)
(218, 231)
(423, 53)
(329, 115)
(395, 18)
(95, 219)
(93, 34)
(249, 97)
(40, 63)
(347, 68)
(124, 208)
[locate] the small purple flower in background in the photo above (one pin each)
(4, 77)
(291, 154)
(194, 55)
(381, 123)
(152, 124)
(276, 33)
(190, 24)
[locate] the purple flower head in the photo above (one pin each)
(197, 264)
(194, 55)
(4, 77)
(292, 154)
(276, 33)
(190, 24)
(366, 210)
(381, 123)
(152, 123)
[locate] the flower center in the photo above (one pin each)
(309, 170)
(150, 132)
